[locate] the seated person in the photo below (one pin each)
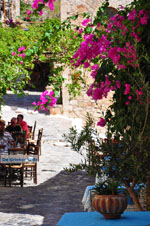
(6, 140)
(13, 127)
(23, 124)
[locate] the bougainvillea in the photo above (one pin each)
(38, 5)
(46, 99)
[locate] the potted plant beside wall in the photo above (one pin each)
(109, 199)
(107, 158)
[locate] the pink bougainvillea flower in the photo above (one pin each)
(102, 122)
(121, 7)
(86, 64)
(127, 89)
(132, 15)
(28, 12)
(80, 31)
(139, 93)
(98, 25)
(118, 84)
(51, 4)
(130, 97)
(40, 13)
(13, 53)
(46, 99)
(36, 4)
(21, 48)
(127, 102)
(23, 55)
(85, 22)
(95, 67)
(21, 62)
(144, 19)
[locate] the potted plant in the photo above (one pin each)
(106, 159)
(109, 199)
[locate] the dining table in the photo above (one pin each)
(132, 218)
(12, 162)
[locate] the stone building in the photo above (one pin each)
(9, 9)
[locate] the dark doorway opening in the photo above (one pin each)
(39, 76)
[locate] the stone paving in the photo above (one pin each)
(57, 191)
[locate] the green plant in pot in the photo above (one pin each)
(109, 199)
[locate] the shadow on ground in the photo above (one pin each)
(25, 101)
(60, 194)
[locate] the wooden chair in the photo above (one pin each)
(30, 131)
(30, 168)
(38, 141)
(32, 149)
(33, 132)
(30, 171)
(14, 171)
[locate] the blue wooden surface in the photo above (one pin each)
(137, 218)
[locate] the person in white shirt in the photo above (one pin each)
(6, 140)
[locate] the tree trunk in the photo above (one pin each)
(135, 198)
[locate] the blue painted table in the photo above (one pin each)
(137, 218)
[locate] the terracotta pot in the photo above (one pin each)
(111, 206)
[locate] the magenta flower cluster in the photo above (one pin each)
(122, 53)
(21, 55)
(101, 122)
(36, 4)
(46, 99)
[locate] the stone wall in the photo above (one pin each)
(15, 9)
(70, 7)
(79, 106)
(9, 9)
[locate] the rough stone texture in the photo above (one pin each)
(81, 105)
(14, 10)
(71, 7)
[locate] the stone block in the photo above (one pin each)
(55, 110)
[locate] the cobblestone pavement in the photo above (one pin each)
(57, 191)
